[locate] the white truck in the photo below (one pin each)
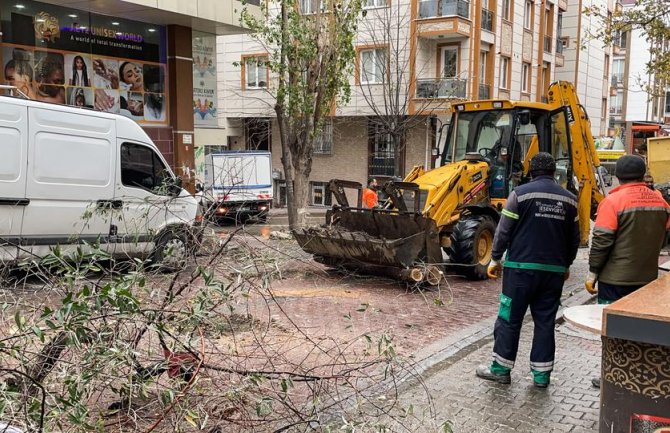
(72, 177)
(238, 185)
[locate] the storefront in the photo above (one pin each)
(103, 62)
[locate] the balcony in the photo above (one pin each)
(617, 79)
(484, 91)
(488, 18)
(444, 8)
(547, 44)
(616, 110)
(444, 19)
(432, 88)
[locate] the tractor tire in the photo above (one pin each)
(471, 244)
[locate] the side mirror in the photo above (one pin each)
(176, 187)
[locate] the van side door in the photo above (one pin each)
(70, 180)
(143, 185)
(13, 164)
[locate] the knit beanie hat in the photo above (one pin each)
(630, 167)
(542, 162)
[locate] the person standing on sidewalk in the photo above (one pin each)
(539, 229)
(629, 232)
(370, 199)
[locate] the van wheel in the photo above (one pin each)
(472, 244)
(171, 251)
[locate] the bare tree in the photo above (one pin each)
(311, 56)
(399, 101)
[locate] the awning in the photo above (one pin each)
(645, 127)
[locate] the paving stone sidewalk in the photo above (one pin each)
(570, 404)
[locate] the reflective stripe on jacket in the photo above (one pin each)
(628, 235)
(538, 227)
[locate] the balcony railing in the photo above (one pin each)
(616, 110)
(547, 44)
(444, 8)
(487, 20)
(617, 79)
(484, 91)
(441, 88)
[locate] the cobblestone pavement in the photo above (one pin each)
(570, 404)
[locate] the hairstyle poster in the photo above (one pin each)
(67, 56)
(204, 79)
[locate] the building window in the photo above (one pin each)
(256, 73)
(603, 109)
(667, 102)
(606, 67)
(321, 195)
(618, 66)
(383, 151)
(308, 7)
(259, 134)
(506, 10)
(525, 78)
(616, 103)
(368, 4)
(372, 65)
(528, 15)
(619, 38)
(323, 143)
(504, 72)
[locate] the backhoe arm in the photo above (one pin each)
(584, 156)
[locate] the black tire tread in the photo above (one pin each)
(462, 249)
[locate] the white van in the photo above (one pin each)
(71, 177)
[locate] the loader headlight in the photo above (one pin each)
(497, 104)
(460, 107)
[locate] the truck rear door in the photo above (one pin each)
(13, 163)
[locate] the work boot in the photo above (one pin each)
(485, 372)
(595, 382)
(541, 379)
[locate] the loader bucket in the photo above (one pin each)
(378, 238)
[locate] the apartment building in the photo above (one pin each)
(639, 106)
(440, 51)
(586, 62)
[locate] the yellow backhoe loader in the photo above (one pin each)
(445, 218)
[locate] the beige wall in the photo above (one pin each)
(349, 157)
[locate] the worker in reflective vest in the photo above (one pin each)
(539, 230)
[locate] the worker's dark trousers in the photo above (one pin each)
(541, 291)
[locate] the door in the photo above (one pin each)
(13, 164)
(70, 180)
(449, 62)
(560, 147)
(143, 188)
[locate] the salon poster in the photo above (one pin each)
(67, 56)
(204, 79)
(649, 424)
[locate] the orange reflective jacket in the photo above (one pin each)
(369, 198)
(629, 232)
